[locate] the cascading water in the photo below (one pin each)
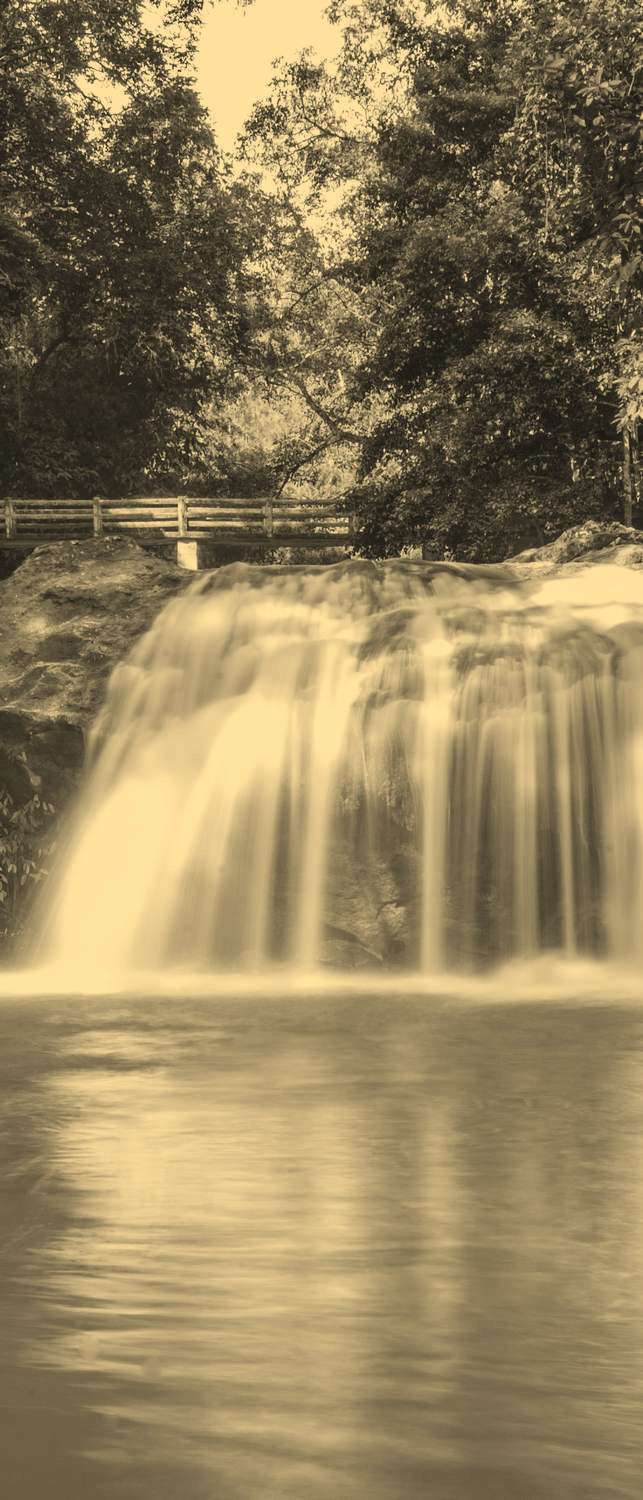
(409, 764)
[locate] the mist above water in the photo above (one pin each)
(406, 765)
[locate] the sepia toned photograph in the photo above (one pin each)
(321, 750)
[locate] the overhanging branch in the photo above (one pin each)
(307, 458)
(342, 434)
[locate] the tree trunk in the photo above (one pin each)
(627, 477)
(636, 470)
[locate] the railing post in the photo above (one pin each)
(97, 512)
(268, 524)
(10, 518)
(182, 516)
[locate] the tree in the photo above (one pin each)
(579, 134)
(482, 167)
(121, 248)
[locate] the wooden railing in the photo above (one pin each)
(155, 522)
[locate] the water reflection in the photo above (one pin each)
(334, 1249)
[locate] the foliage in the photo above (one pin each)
(121, 247)
(430, 304)
(482, 160)
(288, 424)
(266, 442)
(26, 843)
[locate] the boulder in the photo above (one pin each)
(66, 617)
(68, 614)
(592, 541)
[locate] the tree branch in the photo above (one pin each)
(308, 458)
(315, 286)
(61, 338)
(342, 434)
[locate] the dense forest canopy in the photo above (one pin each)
(122, 247)
(418, 285)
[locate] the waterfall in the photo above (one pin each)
(403, 764)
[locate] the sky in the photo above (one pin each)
(238, 47)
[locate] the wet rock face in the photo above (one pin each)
(595, 541)
(68, 614)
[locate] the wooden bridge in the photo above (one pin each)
(259, 524)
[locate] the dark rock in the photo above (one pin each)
(16, 778)
(60, 648)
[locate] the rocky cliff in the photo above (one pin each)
(67, 615)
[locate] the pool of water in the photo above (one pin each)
(333, 1248)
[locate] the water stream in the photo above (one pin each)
(417, 766)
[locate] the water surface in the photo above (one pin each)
(339, 1248)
